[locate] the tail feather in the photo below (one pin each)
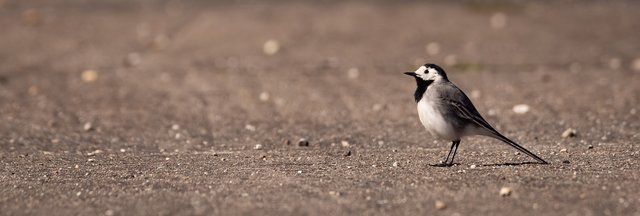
(518, 147)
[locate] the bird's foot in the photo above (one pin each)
(442, 165)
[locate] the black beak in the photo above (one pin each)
(413, 74)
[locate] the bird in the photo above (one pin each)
(447, 113)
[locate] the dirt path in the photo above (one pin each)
(184, 93)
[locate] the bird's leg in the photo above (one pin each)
(446, 160)
(456, 143)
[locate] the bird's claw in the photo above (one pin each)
(441, 165)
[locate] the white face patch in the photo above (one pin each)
(427, 73)
(421, 70)
(432, 70)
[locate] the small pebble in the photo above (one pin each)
(590, 147)
(175, 127)
(91, 160)
(395, 164)
(505, 191)
(345, 143)
(89, 75)
(521, 108)
(94, 152)
(109, 212)
(473, 166)
(570, 132)
(635, 65)
(271, 47)
(87, 126)
(250, 127)
(287, 142)
(122, 150)
(563, 150)
(353, 73)
(264, 96)
(303, 142)
(440, 205)
(377, 107)
(257, 147)
(498, 20)
(475, 94)
(299, 171)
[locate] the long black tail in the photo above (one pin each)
(518, 147)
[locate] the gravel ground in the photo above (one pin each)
(155, 107)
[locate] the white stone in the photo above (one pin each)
(505, 191)
(87, 126)
(521, 108)
(271, 47)
(264, 96)
(89, 75)
(250, 127)
(345, 143)
(257, 147)
(475, 94)
(353, 73)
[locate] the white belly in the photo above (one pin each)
(435, 123)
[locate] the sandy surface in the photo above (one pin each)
(181, 93)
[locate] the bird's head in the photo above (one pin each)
(428, 73)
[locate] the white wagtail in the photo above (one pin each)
(447, 113)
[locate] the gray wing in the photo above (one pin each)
(456, 103)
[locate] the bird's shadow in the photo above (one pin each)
(511, 164)
(488, 165)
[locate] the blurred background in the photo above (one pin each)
(147, 77)
(131, 70)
